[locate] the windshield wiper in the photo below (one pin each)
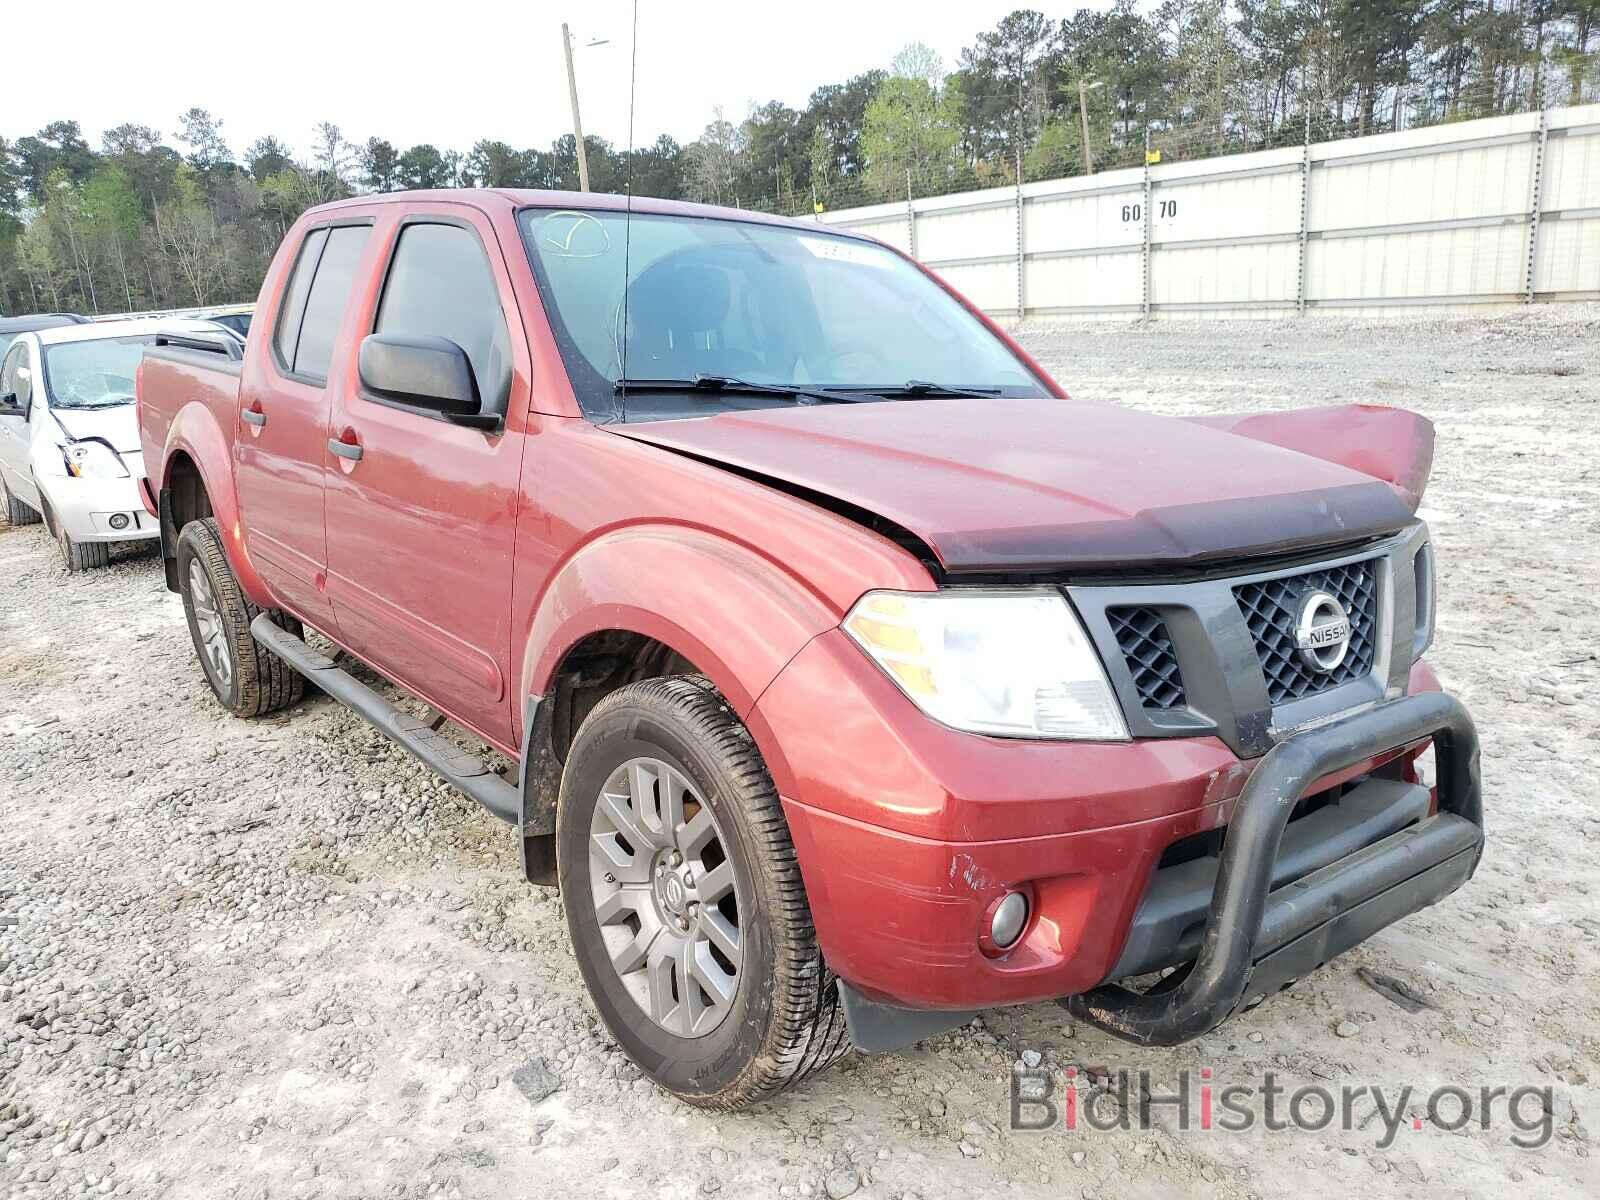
(711, 386)
(913, 388)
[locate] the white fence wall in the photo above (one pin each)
(1498, 211)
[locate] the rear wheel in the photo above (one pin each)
(684, 900)
(17, 512)
(248, 680)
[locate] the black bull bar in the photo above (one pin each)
(1258, 940)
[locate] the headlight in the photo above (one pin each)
(92, 460)
(1014, 663)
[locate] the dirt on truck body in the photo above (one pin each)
(857, 679)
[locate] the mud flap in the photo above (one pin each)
(878, 1027)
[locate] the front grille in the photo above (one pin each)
(1147, 647)
(1269, 609)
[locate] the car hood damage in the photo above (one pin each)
(1034, 485)
(119, 426)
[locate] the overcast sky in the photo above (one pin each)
(448, 73)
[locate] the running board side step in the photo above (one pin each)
(412, 734)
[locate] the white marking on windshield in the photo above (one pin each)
(841, 250)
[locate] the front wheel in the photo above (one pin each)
(684, 900)
(80, 556)
(248, 680)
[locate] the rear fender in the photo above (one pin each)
(194, 432)
(1391, 444)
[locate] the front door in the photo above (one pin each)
(421, 512)
(281, 444)
(17, 374)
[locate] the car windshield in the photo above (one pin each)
(5, 342)
(93, 374)
(752, 303)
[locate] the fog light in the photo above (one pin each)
(119, 521)
(1010, 915)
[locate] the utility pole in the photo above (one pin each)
(1084, 88)
(1083, 114)
(577, 122)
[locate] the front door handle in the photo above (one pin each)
(349, 450)
(254, 416)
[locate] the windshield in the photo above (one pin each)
(761, 304)
(5, 342)
(96, 374)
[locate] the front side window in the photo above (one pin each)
(327, 299)
(440, 285)
(15, 376)
(748, 301)
(95, 374)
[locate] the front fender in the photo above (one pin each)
(195, 433)
(737, 616)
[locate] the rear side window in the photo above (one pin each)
(325, 305)
(440, 284)
(287, 336)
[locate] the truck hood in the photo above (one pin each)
(1042, 484)
(119, 425)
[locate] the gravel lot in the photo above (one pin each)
(278, 959)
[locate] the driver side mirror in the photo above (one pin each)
(431, 373)
(10, 406)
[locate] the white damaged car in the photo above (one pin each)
(69, 435)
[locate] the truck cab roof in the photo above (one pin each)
(518, 198)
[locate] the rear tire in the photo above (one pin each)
(768, 1014)
(247, 679)
(17, 512)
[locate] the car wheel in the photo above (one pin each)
(80, 556)
(248, 680)
(684, 900)
(17, 512)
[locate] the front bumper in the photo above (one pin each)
(87, 508)
(908, 834)
(1257, 939)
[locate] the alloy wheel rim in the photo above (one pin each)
(208, 620)
(666, 897)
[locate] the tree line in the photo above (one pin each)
(150, 221)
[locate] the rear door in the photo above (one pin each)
(421, 526)
(281, 445)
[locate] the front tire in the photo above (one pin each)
(79, 556)
(247, 679)
(684, 900)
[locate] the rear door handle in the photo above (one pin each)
(345, 449)
(254, 416)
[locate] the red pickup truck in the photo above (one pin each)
(852, 678)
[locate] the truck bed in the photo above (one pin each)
(171, 379)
